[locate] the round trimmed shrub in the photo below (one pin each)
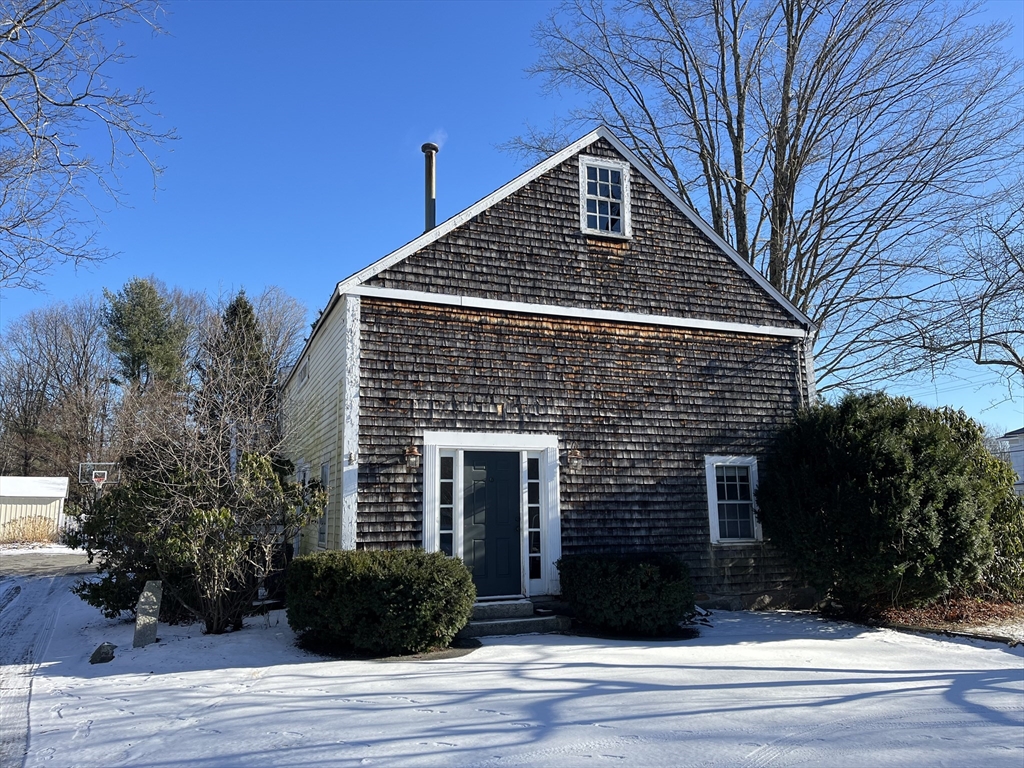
(379, 602)
(641, 594)
(881, 502)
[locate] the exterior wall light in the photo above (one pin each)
(572, 459)
(412, 457)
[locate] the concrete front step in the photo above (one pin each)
(515, 626)
(502, 609)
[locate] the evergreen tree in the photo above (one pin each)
(143, 333)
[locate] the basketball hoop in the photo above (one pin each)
(98, 474)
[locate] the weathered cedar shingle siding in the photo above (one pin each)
(644, 405)
(529, 247)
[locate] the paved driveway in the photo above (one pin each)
(31, 586)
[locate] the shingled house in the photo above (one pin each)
(576, 363)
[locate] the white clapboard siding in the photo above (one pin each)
(312, 425)
(24, 497)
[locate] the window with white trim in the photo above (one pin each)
(446, 503)
(731, 482)
(325, 476)
(604, 197)
(533, 515)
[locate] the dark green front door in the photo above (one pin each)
(491, 545)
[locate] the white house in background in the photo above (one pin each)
(1013, 444)
(24, 497)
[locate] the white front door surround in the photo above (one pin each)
(538, 459)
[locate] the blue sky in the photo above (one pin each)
(299, 156)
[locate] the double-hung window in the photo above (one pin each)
(731, 482)
(604, 197)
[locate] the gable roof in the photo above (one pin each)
(349, 284)
(602, 132)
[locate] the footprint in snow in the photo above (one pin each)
(83, 730)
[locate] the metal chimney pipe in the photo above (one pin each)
(430, 151)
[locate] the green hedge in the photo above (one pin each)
(879, 501)
(379, 602)
(641, 594)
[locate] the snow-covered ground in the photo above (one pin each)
(9, 550)
(753, 690)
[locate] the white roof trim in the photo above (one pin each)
(584, 313)
(540, 169)
(34, 487)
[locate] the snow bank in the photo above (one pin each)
(38, 549)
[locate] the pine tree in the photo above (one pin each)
(143, 334)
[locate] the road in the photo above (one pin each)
(33, 587)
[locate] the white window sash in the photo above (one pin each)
(590, 161)
(710, 463)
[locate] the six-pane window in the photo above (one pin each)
(604, 199)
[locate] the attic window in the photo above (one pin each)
(604, 197)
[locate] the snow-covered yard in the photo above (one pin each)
(753, 690)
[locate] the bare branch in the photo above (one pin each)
(54, 88)
(839, 145)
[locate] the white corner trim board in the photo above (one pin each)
(579, 313)
(348, 456)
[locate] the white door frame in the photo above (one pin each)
(543, 447)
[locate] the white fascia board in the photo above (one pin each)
(579, 313)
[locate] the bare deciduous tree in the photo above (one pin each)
(55, 94)
(57, 400)
(834, 143)
(282, 321)
(202, 459)
(978, 313)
